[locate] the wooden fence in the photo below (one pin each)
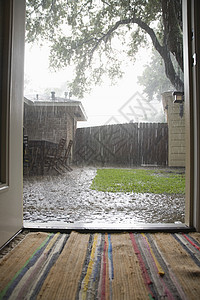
(132, 144)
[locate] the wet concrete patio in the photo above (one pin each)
(68, 198)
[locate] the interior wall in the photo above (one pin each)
(11, 200)
(191, 29)
(196, 108)
(188, 96)
(1, 60)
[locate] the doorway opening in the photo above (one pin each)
(135, 125)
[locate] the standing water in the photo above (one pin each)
(68, 198)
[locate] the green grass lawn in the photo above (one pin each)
(139, 181)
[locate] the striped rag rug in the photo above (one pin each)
(102, 266)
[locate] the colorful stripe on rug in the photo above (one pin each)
(102, 266)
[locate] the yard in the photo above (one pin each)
(106, 195)
(163, 181)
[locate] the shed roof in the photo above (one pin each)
(79, 111)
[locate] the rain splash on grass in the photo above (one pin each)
(139, 181)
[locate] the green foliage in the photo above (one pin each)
(88, 33)
(154, 79)
(139, 181)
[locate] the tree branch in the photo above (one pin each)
(34, 10)
(165, 54)
(163, 50)
(106, 35)
(105, 2)
(171, 22)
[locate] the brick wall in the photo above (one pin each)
(176, 132)
(49, 123)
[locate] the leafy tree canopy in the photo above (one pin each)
(87, 34)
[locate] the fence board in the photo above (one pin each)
(122, 144)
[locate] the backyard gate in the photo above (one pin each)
(132, 144)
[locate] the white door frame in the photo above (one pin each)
(191, 34)
(11, 186)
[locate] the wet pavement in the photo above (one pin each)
(68, 198)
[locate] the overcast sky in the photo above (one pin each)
(103, 104)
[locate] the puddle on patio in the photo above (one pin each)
(68, 198)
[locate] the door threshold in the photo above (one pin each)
(111, 227)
